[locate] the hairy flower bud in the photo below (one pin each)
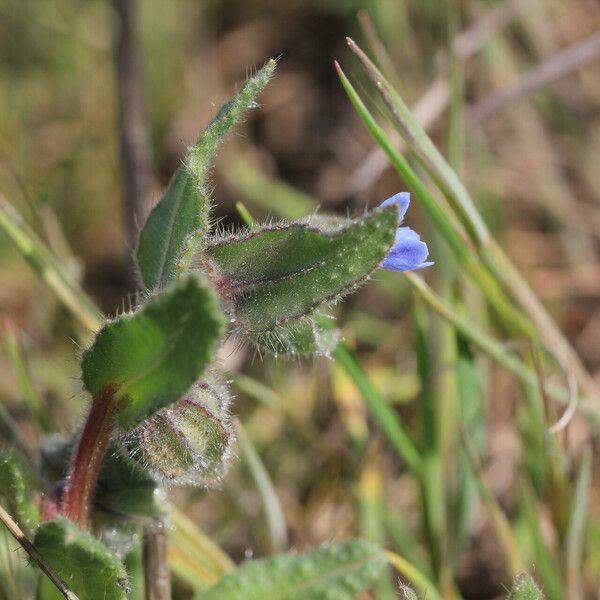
(190, 441)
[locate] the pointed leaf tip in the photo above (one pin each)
(179, 222)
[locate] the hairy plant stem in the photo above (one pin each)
(87, 457)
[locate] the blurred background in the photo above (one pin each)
(528, 149)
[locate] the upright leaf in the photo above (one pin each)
(153, 356)
(334, 572)
(84, 563)
(182, 211)
(281, 272)
(177, 224)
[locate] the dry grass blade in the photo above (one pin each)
(546, 72)
(500, 523)
(34, 555)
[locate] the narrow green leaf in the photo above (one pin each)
(84, 563)
(525, 588)
(200, 156)
(285, 271)
(176, 226)
(334, 572)
(444, 222)
(547, 569)
(383, 414)
(16, 489)
(154, 355)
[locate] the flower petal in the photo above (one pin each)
(402, 200)
(408, 252)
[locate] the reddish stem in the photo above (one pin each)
(86, 460)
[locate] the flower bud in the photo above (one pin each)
(190, 441)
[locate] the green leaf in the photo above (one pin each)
(200, 156)
(177, 225)
(170, 225)
(152, 356)
(525, 588)
(281, 272)
(125, 489)
(333, 572)
(84, 563)
(16, 489)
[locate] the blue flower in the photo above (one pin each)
(408, 253)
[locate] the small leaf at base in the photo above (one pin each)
(84, 563)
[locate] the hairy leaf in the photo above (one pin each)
(151, 357)
(277, 273)
(525, 588)
(177, 224)
(181, 211)
(334, 572)
(84, 563)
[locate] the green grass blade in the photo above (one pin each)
(276, 526)
(417, 578)
(33, 250)
(500, 523)
(458, 242)
(431, 158)
(545, 565)
(32, 400)
(486, 343)
(575, 538)
(382, 413)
